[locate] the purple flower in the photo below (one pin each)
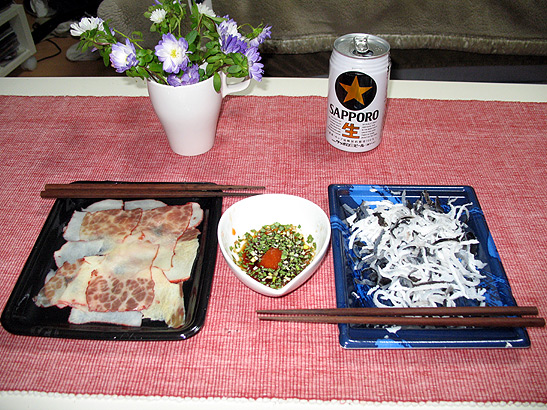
(231, 41)
(264, 34)
(256, 69)
(174, 80)
(172, 53)
(227, 27)
(190, 76)
(123, 56)
(232, 44)
(252, 54)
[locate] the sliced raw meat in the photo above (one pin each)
(123, 281)
(163, 226)
(72, 231)
(165, 221)
(75, 291)
(112, 224)
(184, 256)
(122, 259)
(168, 304)
(56, 286)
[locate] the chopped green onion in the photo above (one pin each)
(296, 253)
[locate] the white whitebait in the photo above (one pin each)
(415, 256)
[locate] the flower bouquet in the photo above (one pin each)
(213, 45)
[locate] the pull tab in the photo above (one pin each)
(360, 44)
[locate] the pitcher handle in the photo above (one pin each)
(232, 88)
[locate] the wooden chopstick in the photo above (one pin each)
(163, 186)
(140, 194)
(141, 190)
(491, 316)
(414, 311)
(416, 321)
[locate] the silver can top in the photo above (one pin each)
(361, 46)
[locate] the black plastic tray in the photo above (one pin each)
(22, 317)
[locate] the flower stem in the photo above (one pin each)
(129, 38)
(156, 77)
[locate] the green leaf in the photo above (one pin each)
(142, 72)
(191, 37)
(214, 58)
(234, 69)
(238, 58)
(217, 20)
(156, 67)
(209, 25)
(145, 60)
(217, 82)
(192, 48)
(106, 59)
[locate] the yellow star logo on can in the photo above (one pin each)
(355, 90)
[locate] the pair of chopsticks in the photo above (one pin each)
(144, 190)
(498, 316)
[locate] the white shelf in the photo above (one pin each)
(16, 17)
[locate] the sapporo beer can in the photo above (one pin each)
(358, 76)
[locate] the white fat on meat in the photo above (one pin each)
(80, 316)
(144, 204)
(73, 250)
(104, 205)
(72, 230)
(197, 215)
(168, 303)
(75, 291)
(184, 256)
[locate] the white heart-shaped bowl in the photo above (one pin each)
(256, 211)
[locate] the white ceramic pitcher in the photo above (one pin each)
(189, 113)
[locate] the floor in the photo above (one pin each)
(52, 62)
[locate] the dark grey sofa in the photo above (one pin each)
(465, 40)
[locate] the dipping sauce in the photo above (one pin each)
(275, 254)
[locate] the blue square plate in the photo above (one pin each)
(351, 294)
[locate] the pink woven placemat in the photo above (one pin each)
(499, 148)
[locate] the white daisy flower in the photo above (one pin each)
(203, 9)
(86, 24)
(158, 16)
